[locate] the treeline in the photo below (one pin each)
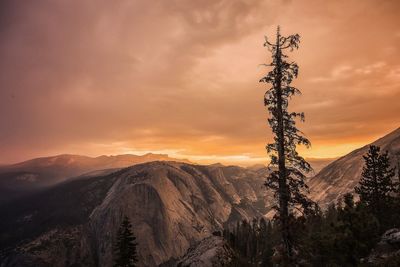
(342, 235)
(253, 242)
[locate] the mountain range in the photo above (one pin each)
(20, 179)
(23, 178)
(172, 205)
(72, 221)
(343, 174)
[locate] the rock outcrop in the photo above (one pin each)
(172, 206)
(210, 252)
(387, 251)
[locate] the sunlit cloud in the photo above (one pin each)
(181, 77)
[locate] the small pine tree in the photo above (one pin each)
(376, 183)
(125, 247)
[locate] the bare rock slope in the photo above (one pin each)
(342, 175)
(171, 205)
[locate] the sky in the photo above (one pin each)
(178, 77)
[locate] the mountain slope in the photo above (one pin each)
(171, 205)
(22, 178)
(342, 175)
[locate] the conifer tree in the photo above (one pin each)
(125, 247)
(398, 174)
(287, 178)
(356, 232)
(376, 183)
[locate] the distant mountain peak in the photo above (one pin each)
(55, 169)
(343, 174)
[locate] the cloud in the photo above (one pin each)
(93, 77)
(339, 72)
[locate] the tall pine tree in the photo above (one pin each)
(376, 183)
(125, 247)
(287, 179)
(398, 174)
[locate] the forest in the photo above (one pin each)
(301, 233)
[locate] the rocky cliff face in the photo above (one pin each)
(342, 175)
(171, 205)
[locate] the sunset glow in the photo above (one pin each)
(181, 77)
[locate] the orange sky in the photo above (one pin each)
(181, 77)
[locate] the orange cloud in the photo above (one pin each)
(95, 77)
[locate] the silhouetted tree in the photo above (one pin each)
(287, 178)
(398, 174)
(251, 242)
(356, 232)
(125, 247)
(342, 235)
(376, 183)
